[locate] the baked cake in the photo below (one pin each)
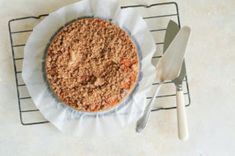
(91, 65)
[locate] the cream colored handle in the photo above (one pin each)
(181, 115)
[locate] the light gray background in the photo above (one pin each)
(211, 73)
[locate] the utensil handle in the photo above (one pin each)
(181, 115)
(142, 122)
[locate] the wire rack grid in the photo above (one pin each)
(156, 15)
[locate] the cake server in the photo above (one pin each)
(168, 68)
(172, 30)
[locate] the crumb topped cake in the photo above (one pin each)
(91, 65)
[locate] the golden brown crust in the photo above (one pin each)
(91, 65)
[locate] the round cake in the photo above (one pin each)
(91, 65)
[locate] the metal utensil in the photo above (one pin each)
(172, 30)
(168, 68)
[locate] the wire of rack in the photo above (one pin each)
(17, 56)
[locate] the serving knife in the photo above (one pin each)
(168, 68)
(171, 32)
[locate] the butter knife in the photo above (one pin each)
(168, 68)
(171, 32)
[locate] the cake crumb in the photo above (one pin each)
(91, 65)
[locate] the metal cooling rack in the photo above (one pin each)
(20, 29)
